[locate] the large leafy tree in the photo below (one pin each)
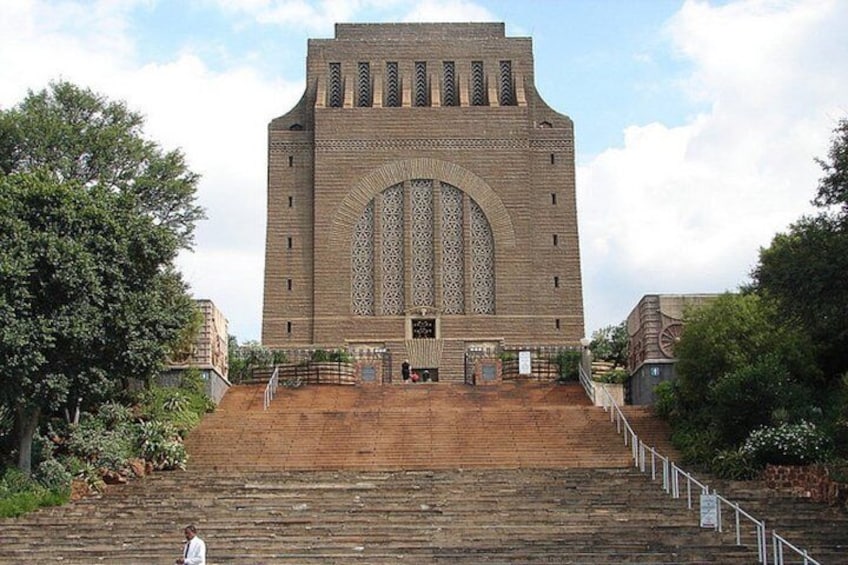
(75, 134)
(832, 193)
(732, 333)
(805, 271)
(92, 216)
(739, 368)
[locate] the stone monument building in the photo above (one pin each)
(421, 200)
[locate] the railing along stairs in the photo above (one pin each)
(649, 460)
(271, 388)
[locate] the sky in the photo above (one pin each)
(697, 122)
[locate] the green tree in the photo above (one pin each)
(75, 134)
(805, 271)
(92, 217)
(250, 355)
(734, 332)
(833, 186)
(611, 344)
(738, 368)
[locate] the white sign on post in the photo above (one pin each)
(709, 511)
(525, 366)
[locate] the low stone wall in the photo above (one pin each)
(616, 391)
(808, 481)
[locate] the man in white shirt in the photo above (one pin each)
(194, 552)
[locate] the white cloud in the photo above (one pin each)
(321, 16)
(448, 11)
(219, 119)
(314, 16)
(685, 208)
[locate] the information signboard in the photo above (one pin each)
(525, 365)
(709, 511)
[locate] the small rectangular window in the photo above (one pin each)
(291, 161)
(557, 323)
(556, 240)
(288, 284)
(289, 242)
(556, 282)
(553, 198)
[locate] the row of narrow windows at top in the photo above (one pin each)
(478, 91)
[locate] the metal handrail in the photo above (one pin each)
(778, 543)
(271, 388)
(586, 381)
(671, 474)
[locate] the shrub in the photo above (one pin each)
(160, 444)
(666, 400)
(94, 443)
(114, 414)
(616, 376)
(569, 365)
(696, 445)
(320, 356)
(182, 406)
(53, 475)
(751, 397)
(340, 356)
(787, 444)
(734, 464)
(19, 494)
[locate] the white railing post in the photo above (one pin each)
(271, 388)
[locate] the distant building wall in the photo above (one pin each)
(209, 354)
(654, 326)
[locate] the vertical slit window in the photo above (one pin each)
(288, 328)
(507, 96)
(291, 161)
(421, 84)
(334, 87)
(478, 88)
(288, 284)
(557, 323)
(553, 198)
(363, 79)
(392, 85)
(289, 242)
(556, 240)
(291, 201)
(553, 159)
(449, 97)
(556, 282)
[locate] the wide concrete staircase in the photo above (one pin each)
(412, 426)
(520, 473)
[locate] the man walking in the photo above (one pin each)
(194, 552)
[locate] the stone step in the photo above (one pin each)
(507, 474)
(316, 517)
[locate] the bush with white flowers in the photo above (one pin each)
(787, 444)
